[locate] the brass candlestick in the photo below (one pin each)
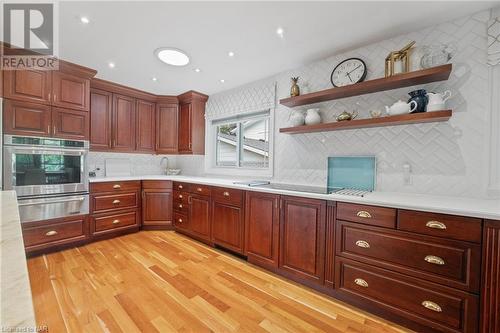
(402, 56)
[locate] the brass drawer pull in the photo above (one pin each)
(116, 202)
(363, 244)
(436, 225)
(116, 186)
(364, 214)
(226, 194)
(432, 306)
(199, 189)
(361, 282)
(180, 206)
(51, 233)
(179, 220)
(116, 221)
(434, 260)
(180, 187)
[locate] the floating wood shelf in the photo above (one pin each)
(413, 118)
(439, 73)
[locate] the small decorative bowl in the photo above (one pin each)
(173, 172)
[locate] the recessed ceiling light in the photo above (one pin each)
(280, 31)
(197, 70)
(230, 53)
(111, 65)
(172, 56)
(222, 80)
(84, 20)
(154, 79)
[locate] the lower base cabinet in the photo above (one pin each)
(490, 294)
(157, 204)
(199, 216)
(228, 228)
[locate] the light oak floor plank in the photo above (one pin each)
(160, 281)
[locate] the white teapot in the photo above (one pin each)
(401, 107)
(437, 101)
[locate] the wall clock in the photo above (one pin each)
(349, 71)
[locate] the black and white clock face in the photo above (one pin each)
(348, 72)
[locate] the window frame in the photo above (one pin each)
(211, 166)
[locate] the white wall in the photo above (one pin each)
(446, 158)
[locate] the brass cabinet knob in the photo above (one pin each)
(364, 214)
(180, 206)
(116, 202)
(361, 282)
(51, 233)
(363, 244)
(434, 260)
(117, 186)
(116, 221)
(180, 196)
(180, 187)
(179, 220)
(199, 189)
(436, 225)
(226, 194)
(432, 306)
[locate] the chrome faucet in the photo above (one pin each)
(163, 159)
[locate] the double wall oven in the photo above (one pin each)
(49, 176)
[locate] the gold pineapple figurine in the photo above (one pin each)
(295, 90)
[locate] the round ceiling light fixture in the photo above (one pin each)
(172, 56)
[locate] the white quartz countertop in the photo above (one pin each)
(473, 207)
(15, 292)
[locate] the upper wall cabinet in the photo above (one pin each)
(166, 128)
(192, 123)
(28, 85)
(70, 91)
(101, 104)
(123, 120)
(145, 126)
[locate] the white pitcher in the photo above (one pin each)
(437, 101)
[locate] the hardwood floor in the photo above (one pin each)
(157, 281)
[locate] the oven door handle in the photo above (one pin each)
(46, 202)
(55, 151)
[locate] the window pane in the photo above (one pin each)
(255, 143)
(227, 144)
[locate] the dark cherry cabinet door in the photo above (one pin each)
(101, 105)
(145, 126)
(490, 290)
(166, 128)
(199, 216)
(70, 124)
(302, 238)
(28, 85)
(185, 136)
(228, 226)
(123, 123)
(70, 91)
(156, 208)
(330, 244)
(262, 228)
(24, 118)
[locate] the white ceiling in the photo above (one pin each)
(127, 33)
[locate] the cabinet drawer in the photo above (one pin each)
(181, 197)
(440, 308)
(182, 187)
(200, 189)
(181, 220)
(54, 232)
(378, 216)
(181, 207)
(157, 184)
(115, 221)
(115, 201)
(115, 186)
(448, 262)
(441, 225)
(228, 196)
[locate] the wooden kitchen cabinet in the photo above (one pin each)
(23, 118)
(157, 204)
(490, 290)
(262, 228)
(123, 123)
(199, 216)
(302, 239)
(166, 128)
(227, 219)
(101, 106)
(28, 85)
(145, 126)
(191, 131)
(70, 124)
(70, 91)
